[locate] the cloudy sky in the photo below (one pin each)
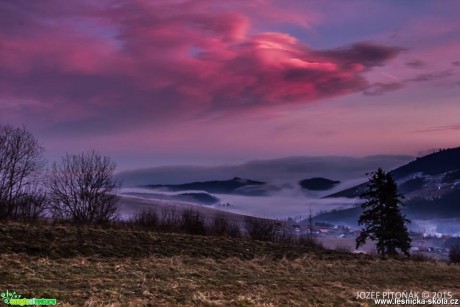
(197, 82)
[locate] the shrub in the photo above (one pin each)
(420, 257)
(310, 241)
(170, 219)
(343, 248)
(192, 222)
(220, 226)
(29, 207)
(146, 219)
(260, 229)
(298, 240)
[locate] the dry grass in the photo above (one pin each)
(209, 277)
(66, 241)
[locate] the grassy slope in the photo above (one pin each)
(138, 268)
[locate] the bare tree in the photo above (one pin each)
(170, 219)
(221, 226)
(82, 189)
(310, 226)
(260, 229)
(21, 166)
(146, 219)
(192, 222)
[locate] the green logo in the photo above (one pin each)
(8, 296)
(12, 298)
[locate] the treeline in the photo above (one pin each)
(184, 220)
(80, 189)
(191, 221)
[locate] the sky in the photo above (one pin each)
(202, 82)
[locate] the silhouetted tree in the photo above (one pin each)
(382, 217)
(82, 189)
(21, 164)
(146, 219)
(192, 222)
(170, 219)
(222, 226)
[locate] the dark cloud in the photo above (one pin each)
(441, 128)
(456, 63)
(364, 53)
(430, 76)
(380, 88)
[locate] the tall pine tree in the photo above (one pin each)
(382, 218)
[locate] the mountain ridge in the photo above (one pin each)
(430, 185)
(233, 185)
(443, 164)
(318, 184)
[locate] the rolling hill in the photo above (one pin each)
(421, 177)
(233, 186)
(430, 185)
(318, 184)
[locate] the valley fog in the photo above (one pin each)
(289, 202)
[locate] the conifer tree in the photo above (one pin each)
(382, 218)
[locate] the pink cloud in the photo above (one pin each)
(141, 61)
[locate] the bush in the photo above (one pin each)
(287, 237)
(260, 229)
(146, 220)
(309, 241)
(454, 254)
(192, 222)
(420, 257)
(343, 248)
(283, 234)
(29, 207)
(220, 226)
(170, 219)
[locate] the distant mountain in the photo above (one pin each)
(318, 184)
(428, 176)
(232, 186)
(283, 170)
(444, 207)
(430, 185)
(443, 161)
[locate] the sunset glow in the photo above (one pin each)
(183, 82)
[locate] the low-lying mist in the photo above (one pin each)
(285, 198)
(436, 227)
(281, 204)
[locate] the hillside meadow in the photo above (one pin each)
(123, 267)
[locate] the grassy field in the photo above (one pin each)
(98, 267)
